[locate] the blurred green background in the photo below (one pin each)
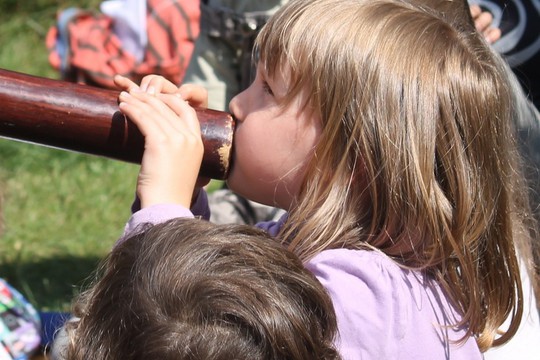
(61, 211)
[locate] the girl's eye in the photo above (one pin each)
(267, 89)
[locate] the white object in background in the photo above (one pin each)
(129, 24)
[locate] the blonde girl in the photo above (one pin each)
(386, 134)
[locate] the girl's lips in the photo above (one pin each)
(233, 147)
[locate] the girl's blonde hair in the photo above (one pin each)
(416, 157)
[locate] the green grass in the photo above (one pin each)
(23, 26)
(62, 211)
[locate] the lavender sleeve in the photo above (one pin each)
(157, 214)
(273, 227)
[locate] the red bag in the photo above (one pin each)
(84, 48)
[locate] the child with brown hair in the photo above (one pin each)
(190, 289)
(386, 133)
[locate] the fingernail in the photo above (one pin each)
(151, 90)
(124, 94)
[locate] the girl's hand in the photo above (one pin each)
(124, 83)
(482, 22)
(157, 84)
(152, 84)
(196, 95)
(173, 146)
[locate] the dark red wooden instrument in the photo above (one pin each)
(86, 119)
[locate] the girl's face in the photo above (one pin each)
(272, 144)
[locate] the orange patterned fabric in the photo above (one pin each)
(91, 52)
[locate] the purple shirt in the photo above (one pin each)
(383, 311)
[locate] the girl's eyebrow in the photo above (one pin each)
(264, 76)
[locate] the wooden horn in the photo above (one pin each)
(86, 119)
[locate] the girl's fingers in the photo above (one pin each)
(171, 113)
(173, 147)
(165, 114)
(156, 84)
(181, 108)
(492, 35)
(142, 114)
(146, 81)
(483, 21)
(475, 11)
(196, 95)
(124, 83)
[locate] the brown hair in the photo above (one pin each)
(417, 155)
(189, 289)
(524, 117)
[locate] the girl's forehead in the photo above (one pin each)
(278, 71)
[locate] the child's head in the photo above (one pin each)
(407, 108)
(412, 147)
(189, 289)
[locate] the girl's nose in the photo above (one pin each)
(235, 109)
